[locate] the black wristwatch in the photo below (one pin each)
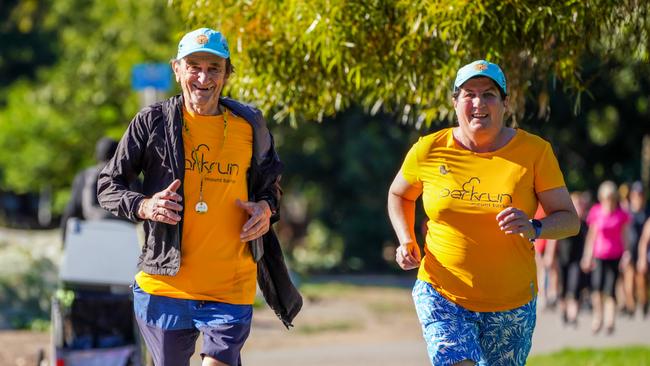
(537, 225)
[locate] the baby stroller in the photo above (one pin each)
(92, 311)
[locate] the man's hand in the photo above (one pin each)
(408, 256)
(162, 206)
(258, 223)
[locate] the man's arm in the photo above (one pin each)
(269, 189)
(264, 207)
(115, 180)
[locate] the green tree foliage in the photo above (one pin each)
(23, 45)
(304, 60)
(51, 121)
(336, 182)
(604, 141)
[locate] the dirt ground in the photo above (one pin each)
(21, 348)
(366, 321)
(346, 325)
(339, 314)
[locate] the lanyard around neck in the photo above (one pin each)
(201, 206)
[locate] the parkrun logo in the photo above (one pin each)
(201, 165)
(470, 192)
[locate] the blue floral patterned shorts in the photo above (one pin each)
(454, 334)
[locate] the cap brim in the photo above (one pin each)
(460, 83)
(208, 50)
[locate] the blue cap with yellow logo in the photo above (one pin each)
(203, 40)
(481, 68)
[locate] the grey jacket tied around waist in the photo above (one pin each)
(153, 145)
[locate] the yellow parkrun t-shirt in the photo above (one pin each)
(215, 264)
(468, 259)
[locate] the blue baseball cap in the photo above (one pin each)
(481, 68)
(203, 40)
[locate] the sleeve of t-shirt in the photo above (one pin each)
(547, 171)
(411, 166)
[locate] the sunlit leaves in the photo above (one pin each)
(603, 124)
(329, 54)
(50, 124)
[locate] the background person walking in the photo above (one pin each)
(605, 245)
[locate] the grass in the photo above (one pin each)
(637, 355)
(319, 291)
(335, 326)
(389, 308)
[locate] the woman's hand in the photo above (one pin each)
(408, 256)
(515, 221)
(586, 264)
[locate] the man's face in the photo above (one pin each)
(479, 106)
(202, 76)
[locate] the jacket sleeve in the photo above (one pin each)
(271, 173)
(269, 167)
(275, 282)
(115, 180)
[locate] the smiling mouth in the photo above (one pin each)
(203, 89)
(479, 115)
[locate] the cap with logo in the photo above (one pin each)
(481, 68)
(203, 40)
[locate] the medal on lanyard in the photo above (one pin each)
(201, 206)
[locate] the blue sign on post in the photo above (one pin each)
(157, 76)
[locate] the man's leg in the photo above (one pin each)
(225, 328)
(169, 347)
(209, 361)
(166, 326)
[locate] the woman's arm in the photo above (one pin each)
(587, 254)
(561, 219)
(401, 211)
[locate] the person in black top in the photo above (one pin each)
(634, 280)
(83, 203)
(568, 253)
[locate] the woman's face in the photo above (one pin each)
(479, 107)
(609, 199)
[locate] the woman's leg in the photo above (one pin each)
(450, 331)
(506, 336)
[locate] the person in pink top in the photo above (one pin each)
(604, 247)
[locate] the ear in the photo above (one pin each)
(176, 66)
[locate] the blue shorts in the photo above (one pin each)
(171, 326)
(454, 334)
